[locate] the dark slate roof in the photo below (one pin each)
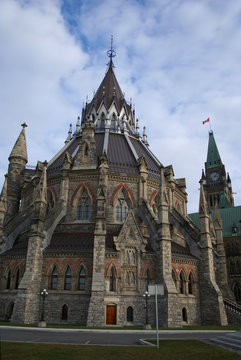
(70, 242)
(180, 251)
(120, 156)
(19, 247)
(109, 91)
(152, 164)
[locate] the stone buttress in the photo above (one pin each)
(96, 312)
(168, 312)
(211, 300)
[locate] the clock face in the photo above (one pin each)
(214, 176)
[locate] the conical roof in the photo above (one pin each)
(20, 148)
(108, 92)
(213, 157)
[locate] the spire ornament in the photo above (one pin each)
(111, 53)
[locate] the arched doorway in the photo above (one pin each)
(184, 315)
(129, 314)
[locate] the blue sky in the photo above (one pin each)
(179, 61)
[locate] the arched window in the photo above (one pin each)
(184, 314)
(83, 207)
(112, 279)
(82, 276)
(237, 293)
(54, 279)
(121, 208)
(190, 284)
(129, 314)
(182, 283)
(113, 123)
(67, 279)
(65, 310)
(17, 279)
(8, 283)
(132, 278)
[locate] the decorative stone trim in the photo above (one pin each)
(127, 189)
(91, 192)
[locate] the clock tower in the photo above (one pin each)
(216, 183)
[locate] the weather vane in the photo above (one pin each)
(111, 53)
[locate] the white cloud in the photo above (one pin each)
(178, 60)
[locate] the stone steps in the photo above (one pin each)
(231, 341)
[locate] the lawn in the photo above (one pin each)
(169, 349)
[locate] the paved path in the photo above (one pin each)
(98, 337)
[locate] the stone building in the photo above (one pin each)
(101, 222)
(218, 190)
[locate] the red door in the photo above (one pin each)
(111, 314)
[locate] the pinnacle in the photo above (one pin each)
(20, 149)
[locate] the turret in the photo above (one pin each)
(17, 162)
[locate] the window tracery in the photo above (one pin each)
(54, 279)
(83, 207)
(121, 208)
(82, 277)
(182, 283)
(67, 279)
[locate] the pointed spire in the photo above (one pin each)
(69, 134)
(111, 53)
(163, 200)
(41, 189)
(77, 130)
(203, 206)
(213, 157)
(145, 136)
(20, 149)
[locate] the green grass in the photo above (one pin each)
(63, 326)
(169, 349)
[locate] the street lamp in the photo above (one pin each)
(43, 293)
(146, 296)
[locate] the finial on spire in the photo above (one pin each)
(111, 53)
(24, 125)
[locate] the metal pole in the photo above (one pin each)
(157, 332)
(42, 317)
(146, 311)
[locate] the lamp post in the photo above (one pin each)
(43, 293)
(146, 297)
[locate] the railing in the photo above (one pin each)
(234, 307)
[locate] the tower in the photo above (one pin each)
(216, 183)
(17, 162)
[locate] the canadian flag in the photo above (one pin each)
(205, 121)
